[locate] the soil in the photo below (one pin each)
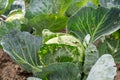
(9, 70)
(118, 72)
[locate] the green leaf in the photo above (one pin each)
(18, 4)
(5, 5)
(110, 46)
(52, 22)
(47, 14)
(61, 71)
(27, 1)
(110, 3)
(116, 34)
(104, 69)
(5, 27)
(78, 4)
(47, 7)
(96, 22)
(91, 56)
(22, 47)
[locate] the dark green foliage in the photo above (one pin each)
(22, 47)
(96, 22)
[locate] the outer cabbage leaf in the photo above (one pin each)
(5, 5)
(47, 7)
(27, 1)
(47, 14)
(77, 4)
(22, 47)
(96, 22)
(112, 46)
(91, 56)
(18, 4)
(5, 27)
(52, 22)
(104, 69)
(60, 71)
(110, 3)
(116, 34)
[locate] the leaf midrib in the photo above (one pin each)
(98, 26)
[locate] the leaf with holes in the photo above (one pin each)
(52, 53)
(91, 56)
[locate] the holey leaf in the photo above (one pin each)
(52, 53)
(91, 56)
(22, 47)
(61, 48)
(96, 22)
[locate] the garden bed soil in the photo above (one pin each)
(9, 70)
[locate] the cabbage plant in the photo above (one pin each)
(59, 57)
